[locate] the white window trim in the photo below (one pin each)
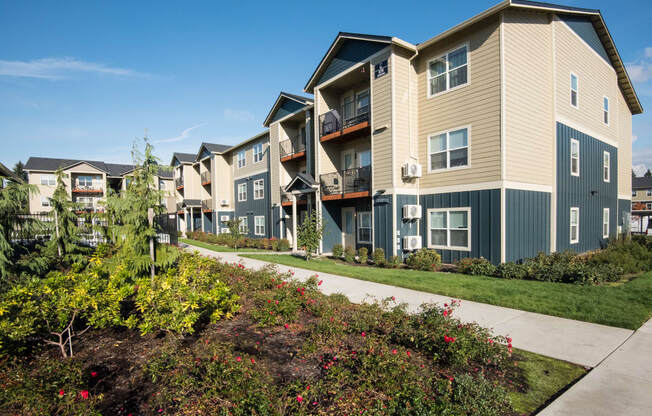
(256, 218)
(262, 151)
(262, 187)
(468, 150)
(444, 55)
(570, 228)
(605, 211)
(606, 167)
(45, 201)
(244, 186)
(360, 240)
(428, 228)
(608, 110)
(243, 160)
(51, 179)
(244, 225)
(579, 156)
(577, 91)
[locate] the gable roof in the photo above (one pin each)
(215, 148)
(249, 140)
(309, 183)
(183, 157)
(8, 173)
(298, 101)
(642, 183)
(340, 39)
(593, 15)
(52, 164)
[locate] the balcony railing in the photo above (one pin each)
(178, 182)
(293, 146)
(207, 205)
(90, 189)
(346, 181)
(332, 122)
(206, 178)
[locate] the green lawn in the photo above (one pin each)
(625, 305)
(219, 249)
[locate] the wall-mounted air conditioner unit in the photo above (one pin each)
(411, 212)
(412, 242)
(224, 230)
(224, 218)
(411, 170)
(224, 202)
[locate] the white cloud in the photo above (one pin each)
(59, 68)
(634, 138)
(641, 69)
(642, 156)
(238, 115)
(648, 52)
(639, 170)
(184, 135)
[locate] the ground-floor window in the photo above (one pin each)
(243, 227)
(605, 223)
(574, 225)
(364, 227)
(259, 225)
(449, 228)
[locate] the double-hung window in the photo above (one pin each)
(242, 192)
(574, 157)
(364, 227)
(45, 201)
(242, 161)
(85, 181)
(259, 189)
(161, 185)
(648, 192)
(362, 102)
(258, 152)
(574, 89)
(449, 228)
(605, 223)
(606, 166)
(448, 71)
(48, 179)
(448, 150)
(605, 110)
(243, 226)
(259, 225)
(574, 225)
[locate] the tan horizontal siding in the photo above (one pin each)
(276, 168)
(624, 147)
(381, 115)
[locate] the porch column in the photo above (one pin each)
(294, 222)
(202, 219)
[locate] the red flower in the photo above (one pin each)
(238, 359)
(364, 334)
(94, 374)
(253, 361)
(320, 282)
(299, 399)
(393, 297)
(286, 326)
(408, 353)
(394, 351)
(445, 313)
(61, 393)
(84, 394)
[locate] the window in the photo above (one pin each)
(648, 192)
(573, 90)
(648, 206)
(259, 189)
(575, 157)
(605, 223)
(574, 225)
(633, 193)
(242, 192)
(449, 150)
(244, 226)
(161, 185)
(605, 110)
(258, 152)
(242, 162)
(364, 158)
(362, 102)
(48, 179)
(449, 228)
(606, 163)
(364, 227)
(448, 72)
(259, 225)
(85, 181)
(347, 107)
(45, 201)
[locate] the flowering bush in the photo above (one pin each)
(424, 259)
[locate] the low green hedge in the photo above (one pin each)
(226, 239)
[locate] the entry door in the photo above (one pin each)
(348, 227)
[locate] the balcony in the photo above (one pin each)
(346, 184)
(207, 205)
(178, 183)
(286, 198)
(293, 148)
(334, 127)
(206, 178)
(87, 189)
(87, 208)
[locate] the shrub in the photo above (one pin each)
(511, 270)
(394, 262)
(274, 244)
(633, 256)
(379, 257)
(283, 244)
(338, 250)
(479, 396)
(424, 259)
(363, 255)
(476, 266)
(349, 254)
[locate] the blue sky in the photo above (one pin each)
(83, 79)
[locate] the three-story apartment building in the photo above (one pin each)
(641, 203)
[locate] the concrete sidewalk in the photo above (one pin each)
(578, 342)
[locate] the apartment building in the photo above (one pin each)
(641, 203)
(87, 182)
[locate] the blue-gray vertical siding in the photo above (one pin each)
(527, 224)
(332, 221)
(254, 207)
(383, 236)
(350, 53)
(485, 222)
(588, 191)
(405, 227)
(276, 222)
(208, 222)
(218, 220)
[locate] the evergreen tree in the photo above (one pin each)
(65, 232)
(648, 173)
(310, 233)
(19, 170)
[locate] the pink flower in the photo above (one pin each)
(84, 394)
(393, 297)
(299, 399)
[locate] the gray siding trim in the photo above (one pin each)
(485, 222)
(351, 52)
(254, 207)
(527, 227)
(588, 192)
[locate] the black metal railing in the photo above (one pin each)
(346, 181)
(332, 121)
(292, 146)
(207, 204)
(178, 182)
(205, 178)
